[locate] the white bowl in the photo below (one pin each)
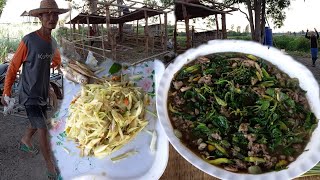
(294, 69)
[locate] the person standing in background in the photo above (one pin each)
(314, 45)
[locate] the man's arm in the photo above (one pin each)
(317, 33)
(16, 62)
(308, 37)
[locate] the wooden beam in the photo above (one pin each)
(142, 9)
(224, 28)
(201, 6)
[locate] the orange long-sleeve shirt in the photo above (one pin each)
(18, 59)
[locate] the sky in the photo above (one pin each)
(300, 16)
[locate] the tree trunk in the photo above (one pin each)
(257, 12)
(250, 18)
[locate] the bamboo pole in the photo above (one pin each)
(88, 51)
(165, 30)
(146, 33)
(147, 58)
(100, 49)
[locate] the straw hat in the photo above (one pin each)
(47, 6)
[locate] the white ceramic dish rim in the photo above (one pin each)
(303, 163)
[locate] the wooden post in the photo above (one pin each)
(217, 25)
(121, 32)
(146, 33)
(186, 20)
(88, 35)
(224, 28)
(82, 38)
(175, 36)
(110, 38)
(78, 28)
(137, 35)
(165, 30)
(70, 27)
(102, 39)
(192, 36)
(160, 35)
(73, 31)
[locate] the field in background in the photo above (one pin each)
(11, 34)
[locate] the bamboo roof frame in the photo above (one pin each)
(121, 19)
(188, 10)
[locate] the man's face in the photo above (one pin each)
(49, 20)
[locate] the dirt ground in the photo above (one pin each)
(16, 165)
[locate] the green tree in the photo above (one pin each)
(257, 12)
(2, 4)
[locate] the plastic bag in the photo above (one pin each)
(91, 60)
(10, 105)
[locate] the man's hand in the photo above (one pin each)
(3, 102)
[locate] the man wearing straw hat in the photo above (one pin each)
(314, 36)
(37, 52)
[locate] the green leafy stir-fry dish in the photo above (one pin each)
(240, 113)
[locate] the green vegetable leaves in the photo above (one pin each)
(116, 67)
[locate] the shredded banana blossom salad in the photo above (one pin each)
(105, 117)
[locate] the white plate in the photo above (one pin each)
(304, 162)
(144, 165)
